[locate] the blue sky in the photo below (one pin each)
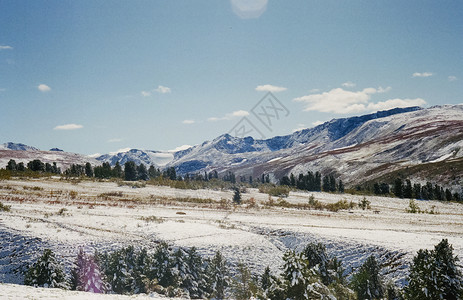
(98, 76)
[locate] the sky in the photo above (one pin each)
(97, 76)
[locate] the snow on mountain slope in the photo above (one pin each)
(147, 157)
(23, 153)
(17, 146)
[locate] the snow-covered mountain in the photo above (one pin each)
(355, 149)
(17, 146)
(23, 153)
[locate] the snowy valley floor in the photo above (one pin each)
(62, 215)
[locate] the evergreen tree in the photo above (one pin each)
(417, 191)
(88, 170)
(243, 285)
(285, 181)
(130, 171)
(341, 186)
(408, 190)
(117, 170)
(86, 275)
(161, 267)
(317, 257)
(398, 188)
(195, 282)
(46, 272)
(367, 282)
(36, 165)
(20, 167)
(217, 273)
(292, 180)
(11, 165)
(142, 172)
(237, 196)
(295, 275)
(434, 275)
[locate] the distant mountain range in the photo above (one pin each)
(356, 149)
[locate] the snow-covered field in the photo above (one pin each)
(64, 215)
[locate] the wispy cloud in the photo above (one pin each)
(229, 116)
(246, 9)
(270, 88)
(452, 78)
(348, 84)
(424, 74)
(162, 89)
(115, 140)
(340, 101)
(316, 123)
(299, 127)
(43, 88)
(188, 121)
(68, 127)
(5, 47)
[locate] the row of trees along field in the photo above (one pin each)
(406, 189)
(310, 274)
(310, 181)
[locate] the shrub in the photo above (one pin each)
(4, 207)
(367, 282)
(364, 204)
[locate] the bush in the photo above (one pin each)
(364, 204)
(4, 207)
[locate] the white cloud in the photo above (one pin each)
(123, 150)
(5, 47)
(270, 88)
(68, 127)
(299, 127)
(393, 103)
(246, 9)
(145, 93)
(316, 123)
(229, 116)
(348, 84)
(188, 121)
(115, 140)
(452, 78)
(340, 101)
(180, 148)
(95, 155)
(424, 74)
(43, 88)
(162, 89)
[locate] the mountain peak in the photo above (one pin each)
(17, 146)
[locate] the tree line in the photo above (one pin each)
(309, 274)
(406, 189)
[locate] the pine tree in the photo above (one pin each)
(434, 275)
(398, 188)
(142, 172)
(46, 272)
(86, 274)
(237, 196)
(218, 279)
(243, 285)
(317, 257)
(11, 165)
(341, 186)
(367, 282)
(117, 170)
(88, 170)
(408, 190)
(195, 283)
(295, 275)
(161, 268)
(130, 170)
